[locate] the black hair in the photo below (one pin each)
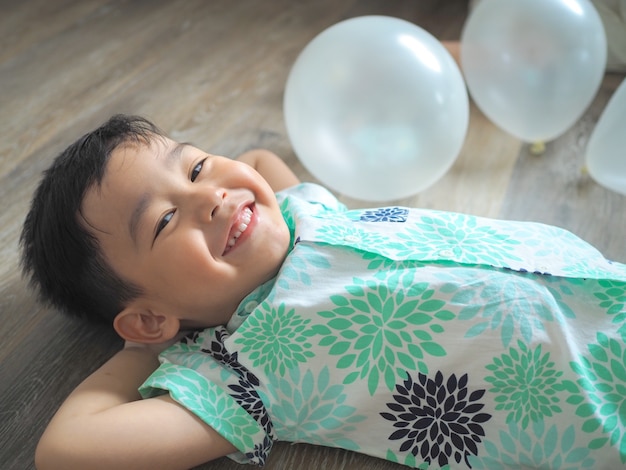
(59, 255)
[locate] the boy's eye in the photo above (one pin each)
(196, 170)
(163, 223)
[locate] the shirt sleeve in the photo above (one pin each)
(204, 387)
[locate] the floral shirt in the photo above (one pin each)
(432, 339)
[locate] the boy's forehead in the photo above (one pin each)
(133, 149)
(127, 170)
(122, 178)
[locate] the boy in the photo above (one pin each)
(427, 338)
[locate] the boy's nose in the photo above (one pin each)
(210, 202)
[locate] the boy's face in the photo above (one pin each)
(197, 232)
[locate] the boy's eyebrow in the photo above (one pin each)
(172, 156)
(138, 212)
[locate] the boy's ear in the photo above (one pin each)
(141, 325)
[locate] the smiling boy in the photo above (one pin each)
(129, 226)
(418, 336)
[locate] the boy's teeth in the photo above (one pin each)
(247, 216)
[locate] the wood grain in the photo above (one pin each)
(213, 73)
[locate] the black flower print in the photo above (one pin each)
(260, 453)
(385, 214)
(437, 420)
(218, 350)
(246, 395)
(190, 338)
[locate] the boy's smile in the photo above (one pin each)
(243, 225)
(196, 232)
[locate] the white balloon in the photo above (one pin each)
(606, 150)
(533, 66)
(376, 108)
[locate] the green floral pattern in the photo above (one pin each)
(276, 338)
(207, 400)
(539, 446)
(547, 241)
(525, 383)
(526, 309)
(459, 236)
(312, 409)
(602, 375)
(612, 297)
(289, 219)
(383, 326)
(353, 234)
(581, 268)
(297, 272)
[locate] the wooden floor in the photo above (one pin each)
(212, 72)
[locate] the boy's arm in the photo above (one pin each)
(104, 424)
(271, 167)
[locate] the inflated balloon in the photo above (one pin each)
(376, 108)
(533, 66)
(606, 150)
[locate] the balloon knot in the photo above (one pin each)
(537, 148)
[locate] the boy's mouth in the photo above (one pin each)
(239, 227)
